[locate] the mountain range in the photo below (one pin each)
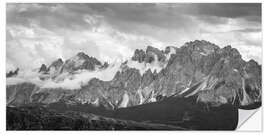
(199, 74)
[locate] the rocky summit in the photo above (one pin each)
(12, 73)
(197, 70)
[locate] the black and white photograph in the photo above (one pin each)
(132, 66)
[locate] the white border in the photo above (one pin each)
(266, 67)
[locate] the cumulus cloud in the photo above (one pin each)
(41, 33)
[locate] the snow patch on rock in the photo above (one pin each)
(202, 53)
(125, 100)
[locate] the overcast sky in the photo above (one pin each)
(41, 33)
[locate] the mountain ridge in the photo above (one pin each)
(220, 75)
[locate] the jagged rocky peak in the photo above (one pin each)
(170, 49)
(83, 56)
(89, 60)
(105, 65)
(151, 54)
(43, 69)
(254, 73)
(252, 64)
(57, 63)
(201, 46)
(13, 73)
(229, 51)
(52, 68)
(139, 55)
(81, 61)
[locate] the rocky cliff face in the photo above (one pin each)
(79, 62)
(59, 69)
(213, 75)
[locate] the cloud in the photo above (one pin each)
(229, 10)
(25, 76)
(76, 81)
(69, 82)
(29, 47)
(51, 16)
(41, 33)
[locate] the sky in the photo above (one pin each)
(41, 33)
